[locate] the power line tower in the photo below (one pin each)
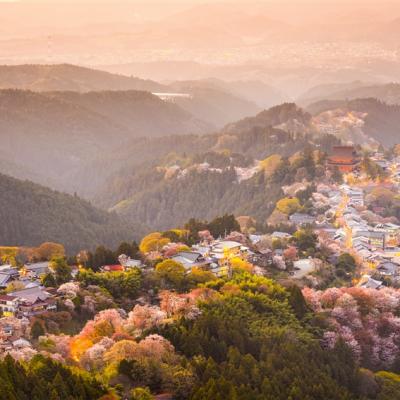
(49, 49)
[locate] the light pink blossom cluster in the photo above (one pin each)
(366, 319)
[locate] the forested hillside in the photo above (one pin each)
(287, 116)
(249, 343)
(239, 338)
(50, 134)
(215, 174)
(382, 120)
(138, 113)
(31, 214)
(164, 203)
(44, 378)
(256, 137)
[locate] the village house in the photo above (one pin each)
(230, 246)
(190, 259)
(8, 305)
(384, 164)
(327, 229)
(392, 232)
(35, 270)
(360, 243)
(280, 235)
(132, 263)
(369, 283)
(12, 328)
(262, 258)
(33, 301)
(255, 239)
(300, 219)
(21, 343)
(354, 221)
(7, 275)
(376, 239)
(388, 268)
(112, 268)
(129, 263)
(217, 255)
(340, 235)
(356, 197)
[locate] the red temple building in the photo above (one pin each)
(344, 157)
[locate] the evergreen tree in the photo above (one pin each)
(37, 329)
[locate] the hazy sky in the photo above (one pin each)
(301, 7)
(123, 30)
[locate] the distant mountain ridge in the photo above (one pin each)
(328, 90)
(213, 103)
(287, 113)
(138, 112)
(388, 93)
(69, 77)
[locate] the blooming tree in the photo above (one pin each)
(366, 319)
(145, 317)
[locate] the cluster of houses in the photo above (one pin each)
(374, 245)
(24, 298)
(29, 297)
(13, 332)
(213, 256)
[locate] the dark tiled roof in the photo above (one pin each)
(343, 152)
(7, 297)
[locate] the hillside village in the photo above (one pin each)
(341, 235)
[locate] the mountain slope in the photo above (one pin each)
(212, 103)
(254, 91)
(288, 116)
(69, 77)
(381, 121)
(31, 214)
(53, 133)
(256, 137)
(389, 93)
(48, 136)
(209, 175)
(260, 93)
(139, 113)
